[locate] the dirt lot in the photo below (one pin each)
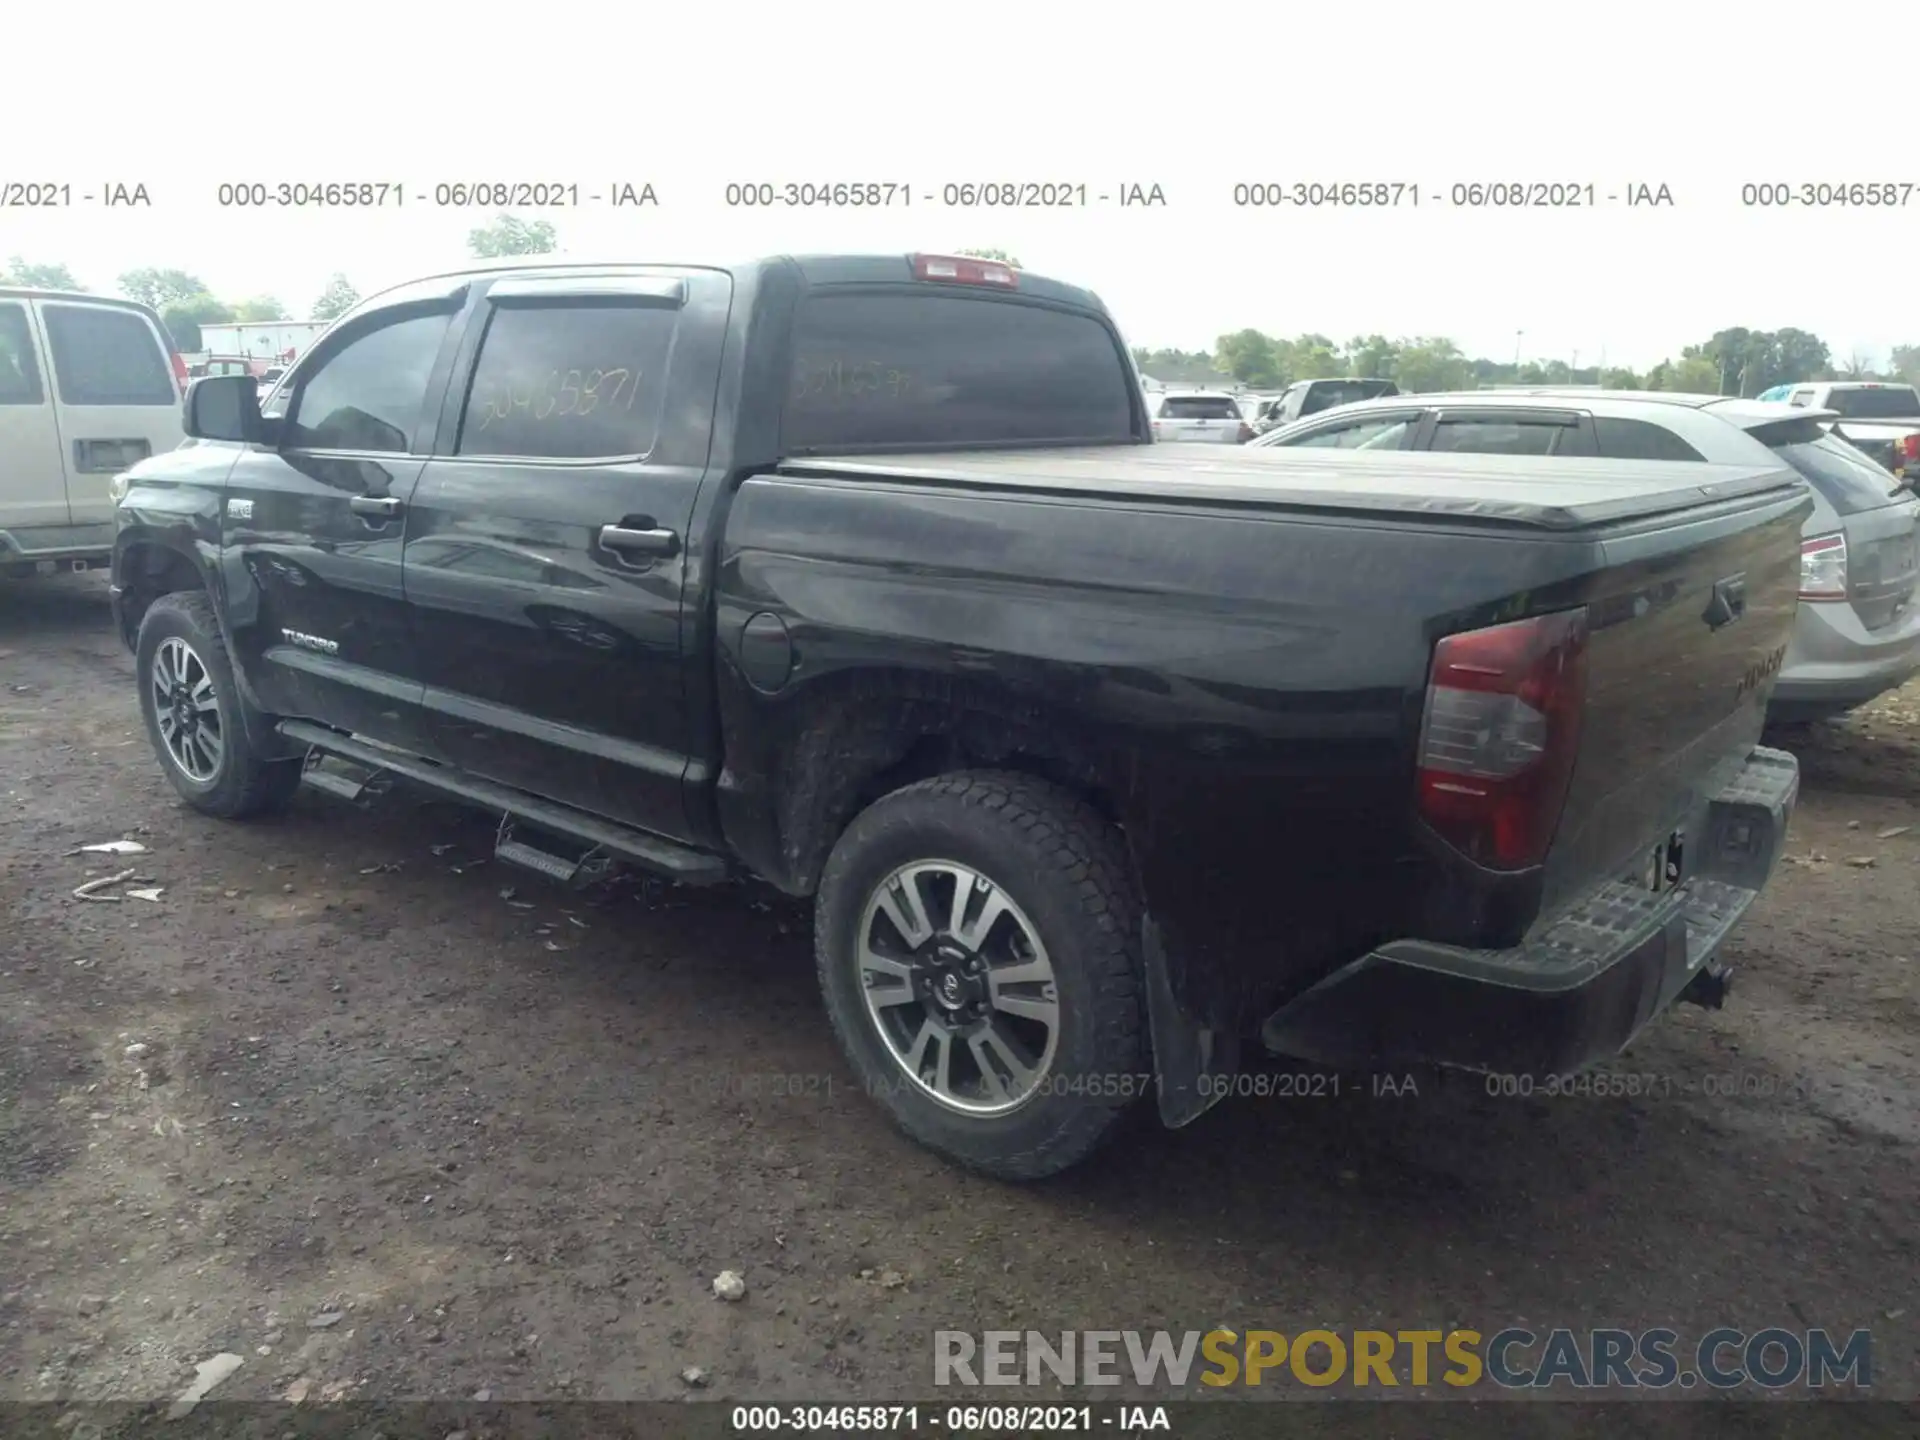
(334, 1104)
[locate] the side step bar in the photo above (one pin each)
(666, 857)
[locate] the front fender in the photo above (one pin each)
(159, 552)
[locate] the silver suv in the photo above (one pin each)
(1858, 632)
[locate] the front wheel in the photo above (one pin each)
(978, 944)
(195, 713)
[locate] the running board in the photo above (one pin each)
(356, 785)
(508, 850)
(667, 857)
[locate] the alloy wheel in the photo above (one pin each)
(959, 987)
(187, 711)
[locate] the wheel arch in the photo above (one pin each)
(148, 563)
(850, 740)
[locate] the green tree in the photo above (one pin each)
(1249, 357)
(1177, 367)
(1308, 357)
(183, 319)
(1431, 362)
(511, 235)
(1371, 357)
(261, 307)
(1905, 363)
(1694, 374)
(1749, 361)
(40, 277)
(161, 288)
(338, 298)
(1619, 378)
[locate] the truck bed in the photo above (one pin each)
(1562, 494)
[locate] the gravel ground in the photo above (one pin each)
(339, 1105)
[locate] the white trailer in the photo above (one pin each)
(267, 342)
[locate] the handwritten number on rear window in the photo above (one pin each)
(831, 380)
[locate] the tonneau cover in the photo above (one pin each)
(1542, 492)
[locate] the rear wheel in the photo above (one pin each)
(977, 939)
(196, 717)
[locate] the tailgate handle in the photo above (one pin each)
(1729, 601)
(384, 507)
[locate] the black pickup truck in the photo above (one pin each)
(1099, 758)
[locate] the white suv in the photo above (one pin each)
(1206, 416)
(88, 387)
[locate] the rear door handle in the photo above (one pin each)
(625, 541)
(384, 506)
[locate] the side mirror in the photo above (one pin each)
(224, 407)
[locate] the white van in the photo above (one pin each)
(88, 387)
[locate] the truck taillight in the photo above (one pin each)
(1910, 448)
(1501, 730)
(964, 270)
(180, 376)
(1823, 568)
(1246, 432)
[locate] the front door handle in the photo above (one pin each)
(624, 541)
(384, 506)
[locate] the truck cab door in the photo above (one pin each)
(115, 398)
(33, 482)
(314, 524)
(548, 544)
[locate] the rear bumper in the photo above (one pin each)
(1835, 663)
(1576, 992)
(55, 547)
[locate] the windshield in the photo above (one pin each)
(1325, 394)
(1882, 402)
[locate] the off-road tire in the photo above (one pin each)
(1066, 868)
(244, 785)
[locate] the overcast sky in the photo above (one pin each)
(1700, 97)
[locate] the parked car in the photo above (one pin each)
(1098, 757)
(1310, 397)
(1203, 416)
(1879, 419)
(1858, 632)
(1258, 410)
(88, 387)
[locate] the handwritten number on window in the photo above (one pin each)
(854, 381)
(561, 393)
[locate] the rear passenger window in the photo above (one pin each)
(19, 370)
(368, 395)
(106, 357)
(893, 369)
(579, 381)
(1507, 437)
(1639, 440)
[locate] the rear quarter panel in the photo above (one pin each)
(1246, 686)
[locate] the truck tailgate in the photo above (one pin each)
(1688, 624)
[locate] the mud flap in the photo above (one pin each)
(1186, 1054)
